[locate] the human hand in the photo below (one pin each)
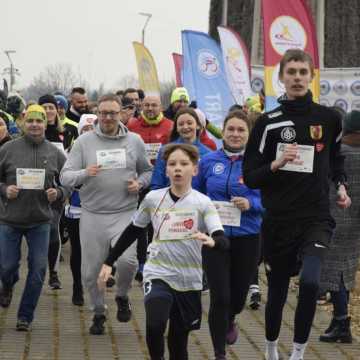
(133, 186)
(93, 170)
(343, 200)
(205, 239)
(241, 203)
(51, 194)
(12, 192)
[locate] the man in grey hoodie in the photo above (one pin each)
(111, 165)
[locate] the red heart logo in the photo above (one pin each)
(189, 224)
(319, 146)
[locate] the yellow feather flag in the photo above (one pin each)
(148, 78)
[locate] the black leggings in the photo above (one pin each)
(229, 275)
(160, 306)
(54, 242)
(278, 284)
(75, 256)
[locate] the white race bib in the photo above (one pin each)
(30, 179)
(152, 150)
(229, 214)
(111, 159)
(303, 163)
(178, 225)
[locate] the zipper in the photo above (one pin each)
(228, 189)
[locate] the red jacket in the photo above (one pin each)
(151, 134)
(207, 141)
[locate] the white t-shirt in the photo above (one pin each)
(174, 256)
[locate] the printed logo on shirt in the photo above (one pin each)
(319, 146)
(288, 134)
(189, 224)
(316, 132)
(218, 168)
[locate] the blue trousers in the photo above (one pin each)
(37, 238)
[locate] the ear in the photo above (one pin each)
(195, 170)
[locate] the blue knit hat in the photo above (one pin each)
(62, 102)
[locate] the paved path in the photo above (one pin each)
(60, 331)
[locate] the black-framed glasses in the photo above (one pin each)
(105, 114)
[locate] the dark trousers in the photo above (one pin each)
(229, 274)
(340, 300)
(278, 284)
(54, 241)
(75, 256)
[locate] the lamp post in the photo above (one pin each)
(148, 17)
(11, 70)
(224, 13)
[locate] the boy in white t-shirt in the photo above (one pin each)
(173, 272)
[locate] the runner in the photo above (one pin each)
(229, 274)
(291, 152)
(173, 272)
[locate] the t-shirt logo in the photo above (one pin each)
(316, 132)
(189, 224)
(288, 134)
(218, 168)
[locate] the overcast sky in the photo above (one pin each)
(94, 36)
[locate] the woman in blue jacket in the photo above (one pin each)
(229, 273)
(186, 130)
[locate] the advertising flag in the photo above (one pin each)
(287, 25)
(148, 78)
(237, 64)
(204, 75)
(178, 62)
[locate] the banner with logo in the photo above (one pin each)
(236, 62)
(178, 62)
(204, 75)
(148, 78)
(287, 25)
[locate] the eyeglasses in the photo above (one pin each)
(130, 107)
(105, 114)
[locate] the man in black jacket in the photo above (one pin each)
(79, 104)
(291, 154)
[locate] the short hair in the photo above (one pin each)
(141, 94)
(78, 90)
(190, 150)
(239, 114)
(120, 93)
(130, 90)
(109, 97)
(185, 110)
(296, 55)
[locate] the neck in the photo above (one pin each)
(180, 190)
(36, 139)
(189, 141)
(152, 121)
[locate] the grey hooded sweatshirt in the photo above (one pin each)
(106, 193)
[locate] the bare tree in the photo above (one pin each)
(59, 77)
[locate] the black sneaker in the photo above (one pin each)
(78, 298)
(54, 282)
(22, 325)
(110, 282)
(97, 327)
(255, 300)
(5, 297)
(124, 309)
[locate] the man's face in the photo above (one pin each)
(296, 77)
(179, 104)
(151, 107)
(134, 96)
(127, 113)
(80, 103)
(61, 112)
(109, 117)
(34, 128)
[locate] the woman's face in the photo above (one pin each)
(236, 133)
(3, 129)
(51, 112)
(187, 126)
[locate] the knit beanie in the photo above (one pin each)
(86, 119)
(352, 122)
(178, 94)
(62, 102)
(47, 99)
(36, 112)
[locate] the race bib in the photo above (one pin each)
(30, 179)
(229, 214)
(178, 225)
(304, 161)
(152, 150)
(111, 159)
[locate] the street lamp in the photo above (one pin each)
(11, 70)
(148, 17)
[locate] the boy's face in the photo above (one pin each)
(180, 169)
(296, 77)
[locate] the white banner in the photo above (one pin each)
(237, 65)
(338, 86)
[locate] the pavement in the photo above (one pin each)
(60, 329)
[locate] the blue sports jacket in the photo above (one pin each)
(220, 179)
(159, 179)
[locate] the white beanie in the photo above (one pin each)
(202, 117)
(86, 119)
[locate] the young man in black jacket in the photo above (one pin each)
(292, 153)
